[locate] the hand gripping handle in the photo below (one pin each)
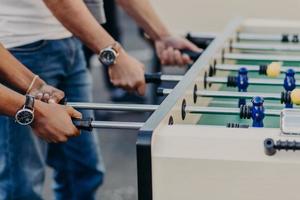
(192, 54)
(83, 124)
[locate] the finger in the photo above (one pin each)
(189, 45)
(123, 85)
(62, 139)
(171, 56)
(46, 97)
(73, 113)
(186, 59)
(164, 57)
(141, 90)
(159, 48)
(56, 97)
(129, 89)
(178, 58)
(76, 132)
(39, 96)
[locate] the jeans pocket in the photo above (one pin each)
(30, 48)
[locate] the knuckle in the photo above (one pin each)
(61, 94)
(132, 85)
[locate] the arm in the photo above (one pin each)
(17, 76)
(166, 44)
(145, 16)
(52, 121)
(10, 68)
(10, 101)
(74, 15)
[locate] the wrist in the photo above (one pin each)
(108, 56)
(25, 115)
(158, 35)
(38, 109)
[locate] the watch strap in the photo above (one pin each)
(29, 102)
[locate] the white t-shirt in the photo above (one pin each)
(26, 21)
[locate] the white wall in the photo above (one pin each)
(213, 15)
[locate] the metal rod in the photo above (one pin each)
(260, 37)
(114, 107)
(251, 68)
(162, 91)
(117, 125)
(234, 95)
(171, 78)
(266, 47)
(224, 111)
(234, 103)
(251, 81)
(223, 80)
(266, 57)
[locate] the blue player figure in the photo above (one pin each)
(257, 112)
(242, 84)
(289, 84)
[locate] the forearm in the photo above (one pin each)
(13, 73)
(75, 16)
(10, 101)
(145, 15)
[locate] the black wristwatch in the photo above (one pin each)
(108, 56)
(25, 115)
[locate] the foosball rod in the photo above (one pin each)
(251, 81)
(264, 57)
(226, 94)
(224, 111)
(264, 47)
(231, 103)
(150, 108)
(252, 68)
(158, 78)
(89, 124)
(287, 98)
(113, 107)
(284, 38)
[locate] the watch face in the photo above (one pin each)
(107, 57)
(24, 116)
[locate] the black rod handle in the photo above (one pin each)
(63, 101)
(83, 124)
(269, 146)
(153, 78)
(160, 92)
(202, 42)
(194, 55)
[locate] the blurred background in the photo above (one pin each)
(208, 16)
(214, 15)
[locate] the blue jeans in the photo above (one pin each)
(77, 164)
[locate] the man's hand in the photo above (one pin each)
(168, 52)
(53, 122)
(47, 93)
(128, 74)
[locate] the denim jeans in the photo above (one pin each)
(77, 164)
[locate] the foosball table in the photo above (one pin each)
(230, 129)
